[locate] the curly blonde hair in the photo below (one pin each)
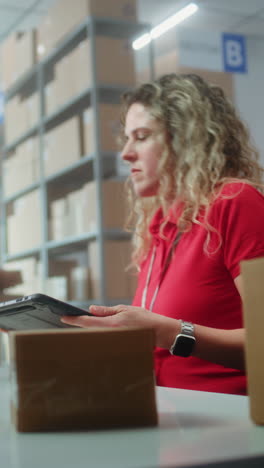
(206, 146)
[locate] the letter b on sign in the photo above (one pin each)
(234, 53)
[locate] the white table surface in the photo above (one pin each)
(195, 429)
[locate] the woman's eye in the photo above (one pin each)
(141, 137)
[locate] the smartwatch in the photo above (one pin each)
(184, 342)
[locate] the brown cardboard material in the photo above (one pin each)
(109, 127)
(26, 221)
(9, 278)
(119, 282)
(79, 284)
(81, 60)
(18, 53)
(62, 146)
(21, 168)
(64, 269)
(15, 111)
(119, 69)
(65, 15)
(113, 203)
(66, 83)
(8, 61)
(26, 55)
(76, 213)
(82, 379)
(253, 305)
(50, 96)
(31, 270)
(64, 76)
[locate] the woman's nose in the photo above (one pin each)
(128, 153)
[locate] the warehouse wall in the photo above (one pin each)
(249, 95)
(184, 49)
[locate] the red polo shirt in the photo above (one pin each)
(199, 284)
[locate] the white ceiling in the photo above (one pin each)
(237, 16)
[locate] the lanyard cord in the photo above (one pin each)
(162, 275)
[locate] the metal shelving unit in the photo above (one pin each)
(95, 166)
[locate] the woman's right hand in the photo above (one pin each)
(165, 328)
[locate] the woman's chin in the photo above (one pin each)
(147, 191)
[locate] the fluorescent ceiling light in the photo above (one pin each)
(161, 28)
(142, 41)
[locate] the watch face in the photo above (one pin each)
(184, 345)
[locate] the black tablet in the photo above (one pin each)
(37, 311)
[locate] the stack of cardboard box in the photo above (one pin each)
(68, 280)
(77, 213)
(24, 223)
(72, 75)
(21, 114)
(21, 168)
(109, 128)
(65, 15)
(30, 273)
(18, 53)
(62, 145)
(119, 279)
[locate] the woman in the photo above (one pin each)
(198, 212)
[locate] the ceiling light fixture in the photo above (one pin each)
(165, 25)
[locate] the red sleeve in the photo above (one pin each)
(238, 216)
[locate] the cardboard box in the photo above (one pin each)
(50, 96)
(80, 207)
(26, 53)
(79, 284)
(31, 273)
(80, 59)
(31, 103)
(121, 9)
(64, 76)
(29, 267)
(21, 114)
(60, 269)
(15, 119)
(109, 125)
(21, 168)
(114, 61)
(113, 203)
(62, 146)
(9, 278)
(57, 287)
(253, 304)
(77, 212)
(65, 15)
(119, 282)
(24, 224)
(60, 223)
(8, 61)
(82, 379)
(18, 53)
(67, 83)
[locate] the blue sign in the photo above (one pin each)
(234, 53)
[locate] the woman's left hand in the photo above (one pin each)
(128, 316)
